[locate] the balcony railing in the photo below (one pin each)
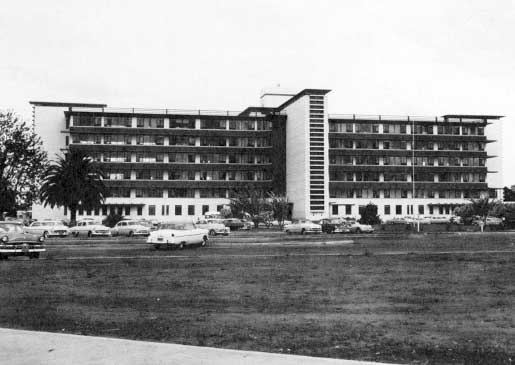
(192, 112)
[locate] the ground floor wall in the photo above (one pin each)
(391, 208)
(159, 209)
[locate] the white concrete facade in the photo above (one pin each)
(309, 174)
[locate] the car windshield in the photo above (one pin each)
(9, 227)
(177, 226)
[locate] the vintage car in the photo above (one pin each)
(178, 235)
(333, 225)
(302, 226)
(48, 228)
(489, 221)
(356, 227)
(130, 228)
(234, 224)
(16, 241)
(89, 228)
(213, 226)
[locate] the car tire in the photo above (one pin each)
(34, 255)
(90, 234)
(358, 230)
(212, 232)
(288, 232)
(131, 233)
(181, 246)
(45, 234)
(157, 246)
(204, 242)
(303, 232)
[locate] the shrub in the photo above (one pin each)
(369, 214)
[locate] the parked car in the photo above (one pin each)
(357, 227)
(16, 241)
(332, 225)
(302, 226)
(234, 223)
(397, 220)
(48, 228)
(89, 228)
(439, 219)
(490, 221)
(130, 228)
(178, 235)
(214, 227)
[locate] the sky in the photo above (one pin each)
(378, 57)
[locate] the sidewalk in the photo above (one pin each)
(29, 347)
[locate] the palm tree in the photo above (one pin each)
(72, 181)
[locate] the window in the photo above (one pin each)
(348, 209)
(212, 124)
(398, 209)
(139, 211)
(118, 121)
(191, 210)
(334, 210)
(181, 158)
(387, 210)
(165, 210)
(127, 210)
(178, 210)
(205, 208)
(151, 123)
(151, 210)
(182, 123)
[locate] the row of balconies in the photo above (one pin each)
(180, 122)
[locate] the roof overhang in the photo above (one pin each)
(60, 104)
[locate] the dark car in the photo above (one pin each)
(333, 225)
(234, 223)
(16, 241)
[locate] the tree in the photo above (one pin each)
(508, 194)
(482, 208)
(369, 214)
(280, 207)
(112, 219)
(74, 180)
(466, 212)
(249, 202)
(226, 213)
(22, 163)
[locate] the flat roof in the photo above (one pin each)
(301, 94)
(61, 104)
(473, 116)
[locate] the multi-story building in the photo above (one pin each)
(167, 163)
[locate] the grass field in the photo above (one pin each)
(358, 304)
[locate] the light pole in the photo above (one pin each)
(413, 172)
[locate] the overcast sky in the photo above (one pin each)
(377, 57)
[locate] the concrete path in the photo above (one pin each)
(29, 347)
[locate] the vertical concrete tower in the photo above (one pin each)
(307, 167)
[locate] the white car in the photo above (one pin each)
(213, 226)
(178, 235)
(356, 227)
(302, 226)
(89, 228)
(47, 228)
(130, 228)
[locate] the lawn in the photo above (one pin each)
(420, 308)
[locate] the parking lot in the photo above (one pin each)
(442, 298)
